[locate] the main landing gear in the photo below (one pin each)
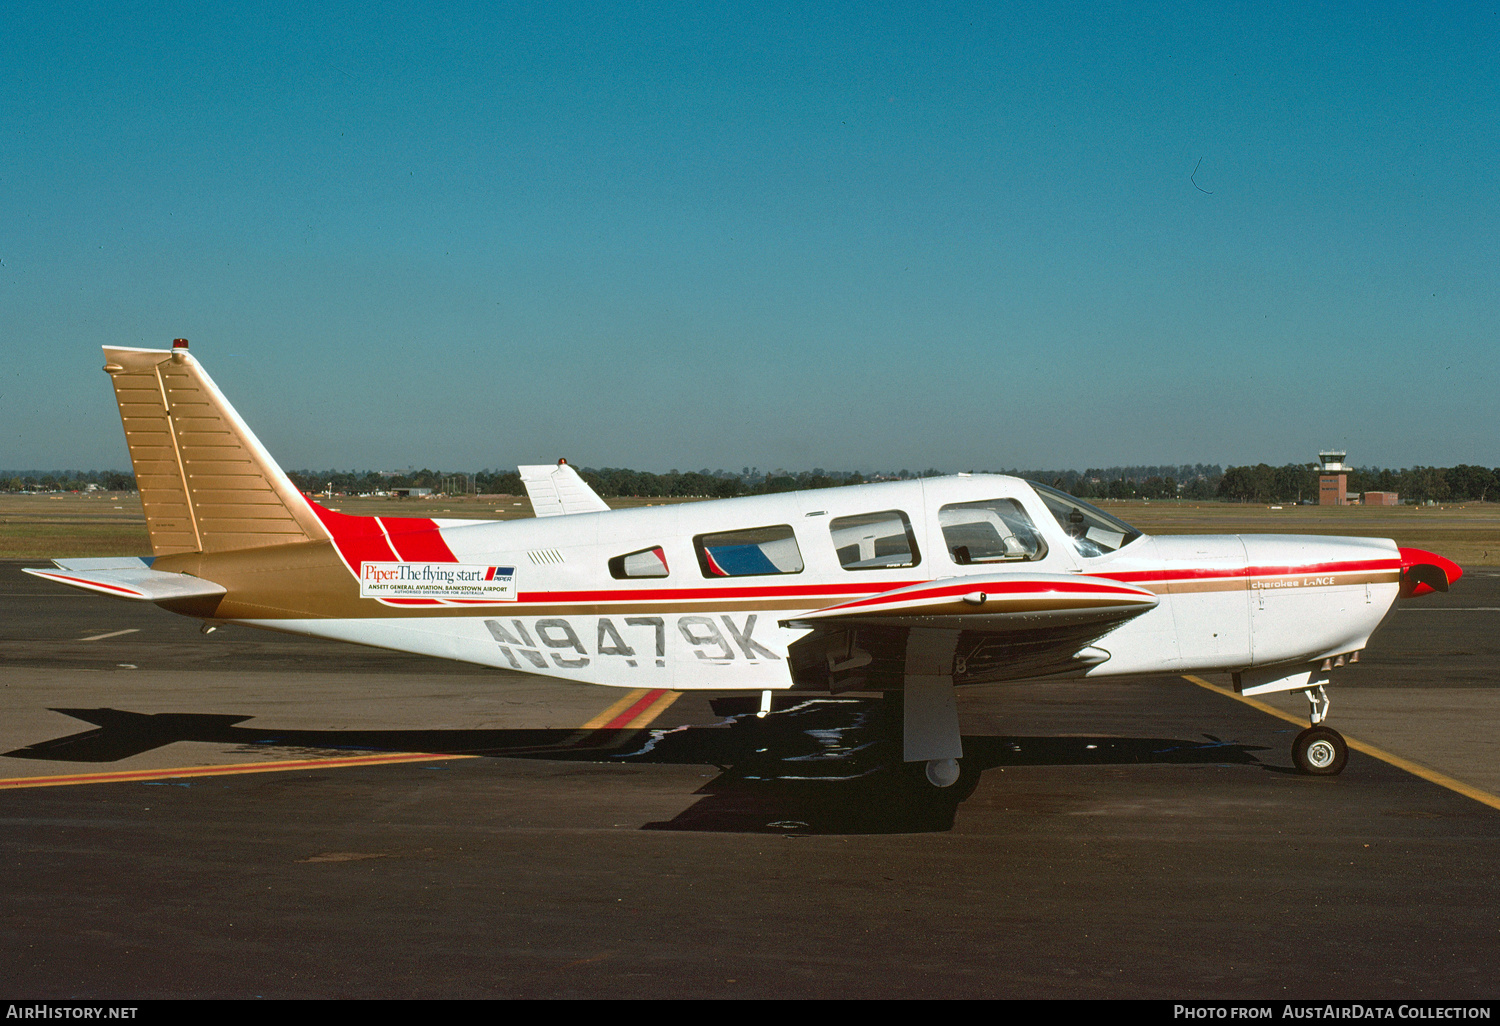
(931, 749)
(1319, 750)
(941, 772)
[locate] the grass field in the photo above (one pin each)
(43, 526)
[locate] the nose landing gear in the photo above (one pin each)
(1319, 750)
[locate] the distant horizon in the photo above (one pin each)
(1297, 482)
(1106, 473)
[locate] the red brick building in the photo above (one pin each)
(1333, 481)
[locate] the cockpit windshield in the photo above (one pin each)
(1092, 531)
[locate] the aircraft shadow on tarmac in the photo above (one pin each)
(813, 766)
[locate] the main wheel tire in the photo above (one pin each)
(919, 783)
(1320, 751)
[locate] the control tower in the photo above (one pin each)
(1333, 479)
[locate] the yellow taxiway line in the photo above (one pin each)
(1414, 768)
(638, 709)
(220, 771)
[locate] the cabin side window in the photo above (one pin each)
(874, 541)
(650, 562)
(752, 552)
(991, 531)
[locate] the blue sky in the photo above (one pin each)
(847, 236)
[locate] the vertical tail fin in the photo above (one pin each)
(206, 482)
(558, 490)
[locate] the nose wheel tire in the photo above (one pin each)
(1320, 751)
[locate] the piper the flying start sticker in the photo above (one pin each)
(438, 581)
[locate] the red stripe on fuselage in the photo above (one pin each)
(417, 540)
(700, 594)
(362, 540)
(358, 539)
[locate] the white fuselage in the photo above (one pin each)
(1225, 602)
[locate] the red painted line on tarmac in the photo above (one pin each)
(635, 710)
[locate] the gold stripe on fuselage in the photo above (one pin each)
(1271, 583)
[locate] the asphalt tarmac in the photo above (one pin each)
(404, 827)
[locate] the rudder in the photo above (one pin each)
(206, 482)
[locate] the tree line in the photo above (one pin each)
(1298, 481)
(66, 480)
(609, 482)
(1293, 482)
(1185, 481)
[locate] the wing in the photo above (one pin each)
(1007, 626)
(558, 491)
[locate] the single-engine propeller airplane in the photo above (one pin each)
(916, 587)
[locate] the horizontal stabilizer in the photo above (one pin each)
(991, 602)
(105, 563)
(139, 583)
(556, 490)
